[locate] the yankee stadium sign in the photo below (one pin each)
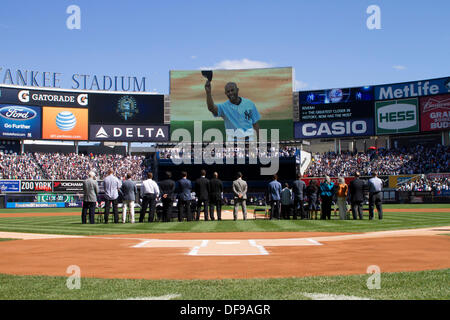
(47, 79)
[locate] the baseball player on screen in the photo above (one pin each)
(240, 114)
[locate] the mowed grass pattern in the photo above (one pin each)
(395, 286)
(71, 225)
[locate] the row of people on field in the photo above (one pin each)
(209, 193)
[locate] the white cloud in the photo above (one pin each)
(300, 85)
(399, 67)
(238, 64)
(193, 57)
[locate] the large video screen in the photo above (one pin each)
(335, 120)
(255, 99)
(126, 109)
(336, 95)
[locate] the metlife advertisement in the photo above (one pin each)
(412, 89)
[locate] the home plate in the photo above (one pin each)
(226, 247)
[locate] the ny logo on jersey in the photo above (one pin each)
(248, 114)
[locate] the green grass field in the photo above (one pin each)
(396, 286)
(72, 224)
(431, 284)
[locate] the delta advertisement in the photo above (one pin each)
(43, 97)
(20, 121)
(412, 89)
(397, 116)
(234, 102)
(64, 123)
(435, 113)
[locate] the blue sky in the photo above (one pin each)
(326, 42)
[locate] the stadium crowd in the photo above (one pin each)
(426, 184)
(13, 166)
(236, 152)
(418, 159)
(67, 166)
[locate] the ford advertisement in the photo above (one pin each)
(20, 122)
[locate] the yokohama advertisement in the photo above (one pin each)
(67, 186)
(435, 113)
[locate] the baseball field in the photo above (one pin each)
(48, 254)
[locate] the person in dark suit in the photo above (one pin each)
(274, 196)
(184, 188)
(129, 191)
(202, 193)
(299, 190)
(356, 192)
(167, 189)
(312, 192)
(215, 196)
(90, 190)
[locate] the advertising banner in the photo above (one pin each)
(50, 197)
(254, 98)
(119, 109)
(13, 205)
(20, 122)
(395, 181)
(35, 185)
(412, 89)
(64, 123)
(336, 95)
(148, 133)
(43, 97)
(327, 129)
(67, 186)
(435, 113)
(335, 120)
(397, 116)
(10, 186)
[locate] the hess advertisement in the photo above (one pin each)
(435, 113)
(64, 123)
(236, 103)
(397, 116)
(19, 121)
